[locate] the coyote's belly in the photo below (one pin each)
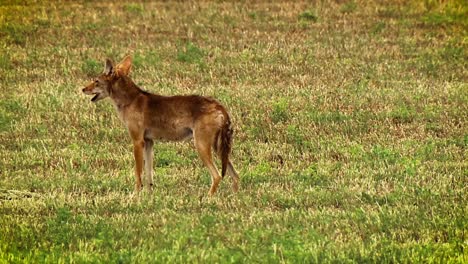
(169, 134)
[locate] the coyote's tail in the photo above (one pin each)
(225, 144)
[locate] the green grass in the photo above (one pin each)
(348, 7)
(309, 15)
(190, 53)
(350, 132)
(134, 8)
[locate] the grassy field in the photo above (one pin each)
(350, 132)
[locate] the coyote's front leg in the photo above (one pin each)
(149, 163)
(138, 146)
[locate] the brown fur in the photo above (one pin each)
(151, 117)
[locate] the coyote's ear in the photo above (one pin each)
(123, 68)
(108, 67)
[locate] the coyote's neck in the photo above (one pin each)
(124, 91)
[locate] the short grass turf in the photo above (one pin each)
(350, 132)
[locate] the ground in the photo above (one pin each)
(350, 132)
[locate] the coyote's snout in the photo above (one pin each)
(95, 88)
(151, 117)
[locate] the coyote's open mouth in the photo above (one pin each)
(95, 97)
(97, 93)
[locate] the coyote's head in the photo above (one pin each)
(101, 86)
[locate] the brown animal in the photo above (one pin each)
(151, 117)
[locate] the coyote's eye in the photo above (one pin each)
(96, 82)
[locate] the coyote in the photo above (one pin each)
(151, 117)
